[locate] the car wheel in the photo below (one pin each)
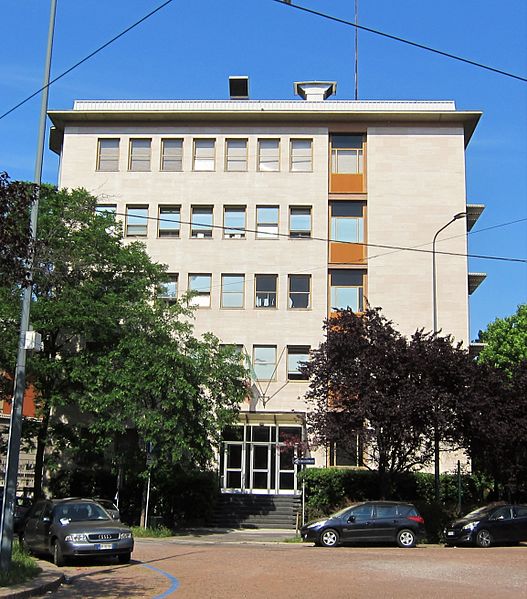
(124, 558)
(406, 538)
(483, 538)
(58, 556)
(329, 538)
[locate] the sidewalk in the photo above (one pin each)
(48, 580)
(229, 535)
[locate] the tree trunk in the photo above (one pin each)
(142, 522)
(42, 438)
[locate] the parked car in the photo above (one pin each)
(368, 522)
(110, 507)
(489, 525)
(22, 507)
(67, 528)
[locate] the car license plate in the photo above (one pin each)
(104, 546)
(450, 533)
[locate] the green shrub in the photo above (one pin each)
(156, 532)
(23, 567)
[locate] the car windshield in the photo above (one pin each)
(481, 511)
(343, 511)
(80, 512)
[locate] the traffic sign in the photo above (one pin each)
(304, 461)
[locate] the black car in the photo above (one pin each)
(67, 528)
(368, 522)
(490, 525)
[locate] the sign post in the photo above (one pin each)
(304, 462)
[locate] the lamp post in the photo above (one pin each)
(434, 308)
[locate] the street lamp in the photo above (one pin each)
(434, 308)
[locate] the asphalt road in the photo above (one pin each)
(210, 568)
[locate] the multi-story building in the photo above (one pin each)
(276, 213)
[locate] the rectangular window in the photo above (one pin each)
(168, 291)
(201, 222)
(106, 208)
(267, 222)
(200, 285)
(172, 155)
(236, 155)
(299, 292)
(347, 154)
(268, 155)
(301, 155)
(295, 356)
(346, 454)
(347, 290)
(264, 362)
(299, 222)
(347, 221)
(204, 154)
(265, 289)
(140, 154)
(136, 221)
(232, 291)
(169, 221)
(234, 222)
(108, 155)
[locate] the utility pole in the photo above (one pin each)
(356, 50)
(15, 424)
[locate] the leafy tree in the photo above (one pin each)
(16, 199)
(392, 393)
(93, 305)
(505, 341)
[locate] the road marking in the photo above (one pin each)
(173, 579)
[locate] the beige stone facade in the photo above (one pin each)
(297, 174)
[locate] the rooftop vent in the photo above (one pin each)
(315, 91)
(239, 87)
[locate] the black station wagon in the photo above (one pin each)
(368, 522)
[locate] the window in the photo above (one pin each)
(383, 512)
(267, 222)
(106, 208)
(299, 291)
(301, 155)
(346, 454)
(172, 155)
(168, 291)
(265, 287)
(347, 154)
(268, 154)
(200, 285)
(347, 221)
(234, 222)
(201, 222)
(140, 154)
(299, 221)
(108, 155)
(347, 290)
(236, 155)
(264, 362)
(232, 291)
(295, 356)
(136, 221)
(204, 154)
(169, 221)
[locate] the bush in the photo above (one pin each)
(23, 567)
(329, 489)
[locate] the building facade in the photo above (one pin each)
(276, 213)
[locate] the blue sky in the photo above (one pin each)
(189, 49)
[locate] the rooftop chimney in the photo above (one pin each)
(239, 87)
(315, 91)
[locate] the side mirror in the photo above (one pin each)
(46, 519)
(351, 518)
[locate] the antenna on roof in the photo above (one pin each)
(356, 50)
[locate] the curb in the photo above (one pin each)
(49, 579)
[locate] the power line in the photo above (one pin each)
(325, 239)
(404, 41)
(77, 64)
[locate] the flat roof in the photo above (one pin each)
(266, 111)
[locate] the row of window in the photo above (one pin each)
(204, 158)
(265, 360)
(346, 221)
(346, 290)
(347, 154)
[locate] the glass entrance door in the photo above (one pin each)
(260, 466)
(233, 460)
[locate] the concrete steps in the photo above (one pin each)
(256, 511)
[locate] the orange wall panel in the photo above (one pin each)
(346, 183)
(346, 253)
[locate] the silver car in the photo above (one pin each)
(68, 528)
